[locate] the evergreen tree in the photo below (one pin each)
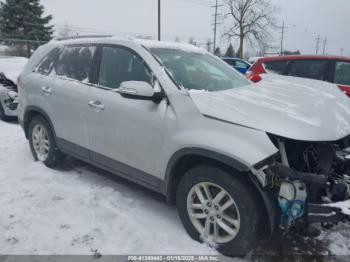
(230, 51)
(25, 20)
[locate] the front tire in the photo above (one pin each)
(217, 208)
(43, 144)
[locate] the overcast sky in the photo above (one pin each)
(305, 19)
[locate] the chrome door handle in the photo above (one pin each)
(96, 105)
(46, 89)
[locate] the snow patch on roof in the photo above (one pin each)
(170, 45)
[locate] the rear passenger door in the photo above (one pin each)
(68, 92)
(126, 135)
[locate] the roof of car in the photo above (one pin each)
(146, 43)
(303, 57)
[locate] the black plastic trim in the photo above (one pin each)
(72, 149)
(38, 110)
(167, 184)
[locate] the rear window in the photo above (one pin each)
(276, 67)
(313, 69)
(48, 62)
(75, 62)
(342, 73)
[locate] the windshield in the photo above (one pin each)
(199, 71)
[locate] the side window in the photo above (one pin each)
(48, 62)
(313, 69)
(342, 73)
(240, 64)
(231, 62)
(119, 65)
(75, 63)
(276, 67)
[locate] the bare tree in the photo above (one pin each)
(251, 20)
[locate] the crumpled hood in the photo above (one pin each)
(294, 108)
(11, 67)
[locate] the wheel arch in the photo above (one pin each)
(187, 158)
(30, 113)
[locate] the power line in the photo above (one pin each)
(216, 14)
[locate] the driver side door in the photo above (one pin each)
(126, 135)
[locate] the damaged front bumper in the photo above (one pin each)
(293, 190)
(10, 103)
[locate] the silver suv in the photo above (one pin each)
(238, 159)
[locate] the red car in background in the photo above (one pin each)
(333, 69)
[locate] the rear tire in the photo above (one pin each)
(242, 216)
(42, 143)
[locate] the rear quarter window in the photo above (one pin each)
(46, 65)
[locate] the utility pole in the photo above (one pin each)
(216, 14)
(159, 20)
(282, 37)
(324, 45)
(318, 39)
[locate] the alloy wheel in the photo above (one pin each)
(213, 212)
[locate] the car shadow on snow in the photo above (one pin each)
(97, 175)
(291, 247)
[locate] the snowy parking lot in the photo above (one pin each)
(79, 209)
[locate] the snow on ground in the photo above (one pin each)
(78, 209)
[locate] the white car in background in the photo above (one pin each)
(10, 69)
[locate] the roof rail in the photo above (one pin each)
(81, 37)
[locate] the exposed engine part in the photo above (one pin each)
(307, 178)
(4, 81)
(340, 187)
(284, 173)
(282, 148)
(292, 201)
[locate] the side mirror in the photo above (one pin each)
(139, 90)
(255, 78)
